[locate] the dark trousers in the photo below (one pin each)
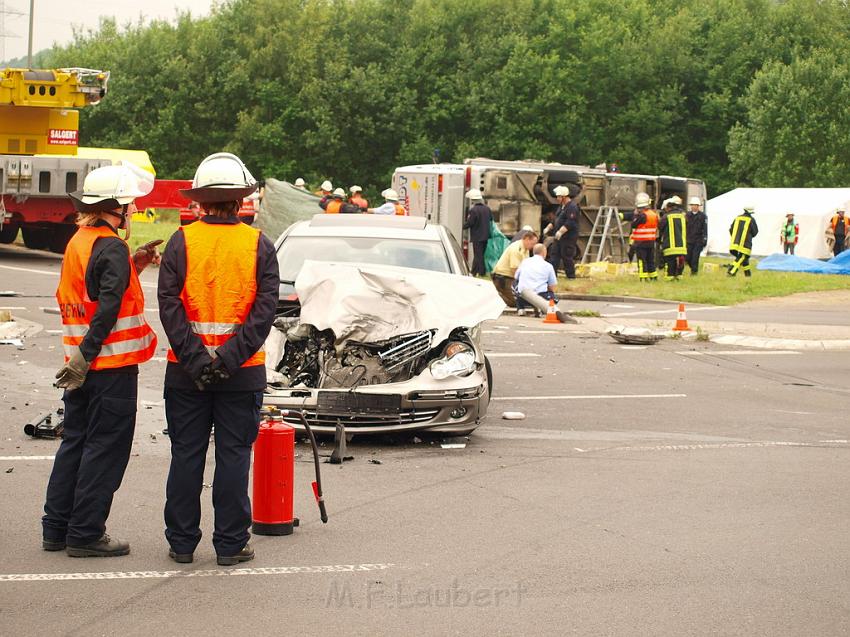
(522, 304)
(788, 248)
(100, 418)
(741, 262)
(567, 251)
(838, 248)
(645, 251)
(478, 266)
(675, 265)
(504, 286)
(190, 415)
(692, 258)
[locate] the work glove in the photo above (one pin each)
(73, 373)
(547, 229)
(147, 254)
(212, 374)
(560, 233)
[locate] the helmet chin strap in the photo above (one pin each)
(126, 220)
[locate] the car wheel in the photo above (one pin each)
(35, 238)
(9, 232)
(489, 371)
(59, 238)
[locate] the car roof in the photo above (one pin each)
(379, 226)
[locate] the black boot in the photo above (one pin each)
(53, 545)
(104, 547)
(245, 555)
(181, 558)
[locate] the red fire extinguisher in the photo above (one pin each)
(274, 469)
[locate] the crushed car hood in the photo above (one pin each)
(370, 303)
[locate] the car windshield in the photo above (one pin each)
(406, 253)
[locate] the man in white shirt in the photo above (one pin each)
(535, 284)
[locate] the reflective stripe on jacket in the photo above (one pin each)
(646, 231)
(834, 223)
(742, 235)
(221, 282)
(673, 239)
(131, 340)
(400, 210)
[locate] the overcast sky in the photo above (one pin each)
(54, 19)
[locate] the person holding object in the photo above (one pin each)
(535, 285)
(790, 234)
(477, 221)
(218, 289)
(105, 338)
(566, 228)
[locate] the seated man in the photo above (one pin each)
(535, 284)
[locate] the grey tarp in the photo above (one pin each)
(283, 204)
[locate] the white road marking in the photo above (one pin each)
(624, 307)
(9, 458)
(714, 445)
(740, 352)
(274, 570)
(52, 273)
(53, 331)
(12, 307)
(536, 331)
(590, 397)
(151, 309)
(633, 346)
(673, 310)
(159, 359)
(512, 355)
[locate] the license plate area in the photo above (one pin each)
(345, 403)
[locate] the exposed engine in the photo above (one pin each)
(312, 358)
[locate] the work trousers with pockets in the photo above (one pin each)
(838, 247)
(741, 262)
(567, 251)
(100, 418)
(479, 268)
(504, 286)
(645, 251)
(190, 415)
(694, 250)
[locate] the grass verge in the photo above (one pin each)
(714, 288)
(144, 232)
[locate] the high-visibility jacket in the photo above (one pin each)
(333, 207)
(673, 234)
(646, 231)
(743, 230)
(131, 340)
(359, 201)
(836, 220)
(221, 282)
(790, 232)
(400, 210)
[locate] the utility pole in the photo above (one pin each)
(6, 11)
(29, 42)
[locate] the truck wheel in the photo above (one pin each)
(35, 238)
(59, 238)
(9, 232)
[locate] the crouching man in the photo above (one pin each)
(535, 285)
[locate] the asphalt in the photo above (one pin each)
(684, 488)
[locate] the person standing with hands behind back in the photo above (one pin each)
(105, 338)
(218, 288)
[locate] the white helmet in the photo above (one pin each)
(675, 200)
(327, 186)
(694, 201)
(474, 195)
(339, 192)
(354, 189)
(390, 195)
(299, 183)
(562, 191)
(642, 200)
(221, 177)
(749, 207)
(110, 187)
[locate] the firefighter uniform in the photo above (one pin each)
(644, 232)
(840, 230)
(103, 316)
(742, 231)
(672, 231)
(218, 292)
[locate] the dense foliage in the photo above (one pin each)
(731, 91)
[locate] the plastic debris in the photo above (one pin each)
(454, 445)
(513, 415)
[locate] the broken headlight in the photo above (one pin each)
(457, 360)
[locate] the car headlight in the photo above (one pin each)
(458, 360)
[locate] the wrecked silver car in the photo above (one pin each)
(381, 348)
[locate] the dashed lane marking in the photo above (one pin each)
(112, 575)
(10, 458)
(55, 273)
(673, 310)
(715, 445)
(741, 352)
(589, 397)
(12, 307)
(512, 355)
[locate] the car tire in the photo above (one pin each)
(35, 238)
(489, 370)
(9, 232)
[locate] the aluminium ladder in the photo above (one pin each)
(607, 232)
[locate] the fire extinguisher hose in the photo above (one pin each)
(317, 485)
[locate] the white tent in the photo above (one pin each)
(812, 208)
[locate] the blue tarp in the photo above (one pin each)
(788, 263)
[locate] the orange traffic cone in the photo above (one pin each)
(681, 320)
(551, 317)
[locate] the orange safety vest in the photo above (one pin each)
(131, 340)
(835, 219)
(646, 231)
(221, 282)
(333, 207)
(399, 210)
